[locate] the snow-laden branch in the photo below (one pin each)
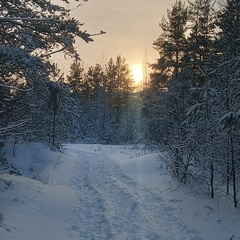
(13, 126)
(14, 19)
(15, 88)
(45, 30)
(61, 26)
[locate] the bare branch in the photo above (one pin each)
(51, 53)
(79, 5)
(97, 34)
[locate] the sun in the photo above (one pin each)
(137, 73)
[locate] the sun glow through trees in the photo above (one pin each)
(137, 73)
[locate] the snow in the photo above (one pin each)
(104, 192)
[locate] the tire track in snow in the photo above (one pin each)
(111, 205)
(90, 222)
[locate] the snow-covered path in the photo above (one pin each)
(96, 192)
(110, 205)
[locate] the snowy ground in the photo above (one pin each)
(104, 192)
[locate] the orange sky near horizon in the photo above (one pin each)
(130, 26)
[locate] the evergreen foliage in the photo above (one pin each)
(31, 32)
(106, 98)
(192, 103)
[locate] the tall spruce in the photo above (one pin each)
(201, 116)
(168, 104)
(229, 85)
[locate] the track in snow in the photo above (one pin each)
(110, 205)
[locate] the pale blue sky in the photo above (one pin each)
(131, 26)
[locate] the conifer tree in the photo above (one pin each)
(118, 87)
(31, 32)
(170, 100)
(75, 77)
(201, 115)
(228, 84)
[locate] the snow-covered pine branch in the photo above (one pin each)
(15, 19)
(15, 88)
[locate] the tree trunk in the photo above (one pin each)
(233, 170)
(212, 178)
(54, 129)
(228, 174)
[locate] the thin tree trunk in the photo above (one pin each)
(233, 172)
(54, 128)
(228, 174)
(212, 178)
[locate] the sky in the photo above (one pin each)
(131, 27)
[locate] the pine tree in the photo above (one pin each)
(75, 77)
(95, 105)
(201, 117)
(118, 87)
(202, 33)
(228, 74)
(170, 87)
(31, 32)
(171, 44)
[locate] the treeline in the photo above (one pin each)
(193, 101)
(109, 107)
(38, 102)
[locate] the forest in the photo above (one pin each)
(188, 105)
